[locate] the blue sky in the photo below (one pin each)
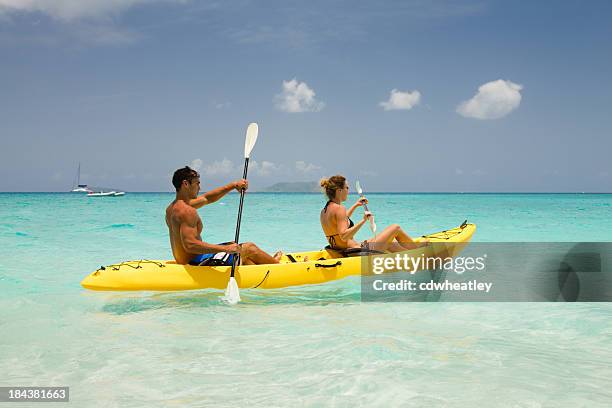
(404, 95)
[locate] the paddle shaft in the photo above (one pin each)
(365, 206)
(244, 176)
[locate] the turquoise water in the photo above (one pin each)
(312, 346)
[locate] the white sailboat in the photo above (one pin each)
(77, 186)
(93, 191)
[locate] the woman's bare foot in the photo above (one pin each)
(278, 255)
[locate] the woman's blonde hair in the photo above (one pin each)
(332, 184)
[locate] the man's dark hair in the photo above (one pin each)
(186, 173)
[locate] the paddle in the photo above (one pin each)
(365, 206)
(232, 293)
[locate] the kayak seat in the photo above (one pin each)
(350, 252)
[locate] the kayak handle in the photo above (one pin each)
(318, 265)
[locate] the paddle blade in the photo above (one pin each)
(251, 138)
(358, 187)
(232, 293)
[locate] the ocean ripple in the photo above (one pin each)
(126, 225)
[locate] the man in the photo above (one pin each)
(185, 225)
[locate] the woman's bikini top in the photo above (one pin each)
(331, 238)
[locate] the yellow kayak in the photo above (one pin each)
(294, 269)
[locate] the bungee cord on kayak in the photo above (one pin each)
(116, 267)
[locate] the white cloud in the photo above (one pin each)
(399, 100)
(196, 164)
(265, 168)
(304, 167)
(222, 105)
(70, 10)
(104, 34)
(219, 168)
(77, 21)
(297, 97)
(494, 100)
(368, 173)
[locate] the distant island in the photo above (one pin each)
(293, 187)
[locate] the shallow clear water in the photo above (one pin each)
(309, 346)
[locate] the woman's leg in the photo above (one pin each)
(394, 233)
(404, 240)
(382, 241)
(395, 247)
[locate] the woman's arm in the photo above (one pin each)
(358, 203)
(341, 225)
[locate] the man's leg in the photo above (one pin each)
(252, 255)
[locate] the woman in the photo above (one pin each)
(340, 230)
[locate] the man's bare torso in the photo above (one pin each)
(178, 213)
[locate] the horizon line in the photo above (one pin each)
(313, 192)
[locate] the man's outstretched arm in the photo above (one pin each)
(214, 195)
